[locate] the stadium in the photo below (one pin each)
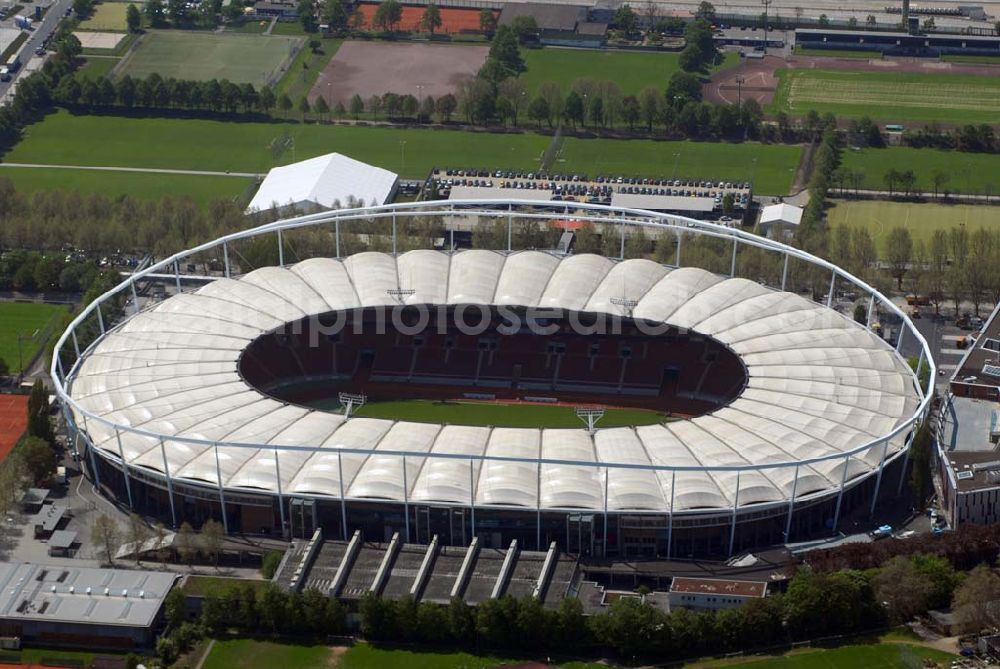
(715, 412)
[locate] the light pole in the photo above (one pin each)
(766, 3)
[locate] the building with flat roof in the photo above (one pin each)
(558, 25)
(780, 220)
(714, 594)
(81, 606)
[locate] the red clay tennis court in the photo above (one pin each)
(13, 421)
(452, 20)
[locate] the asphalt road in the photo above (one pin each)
(39, 33)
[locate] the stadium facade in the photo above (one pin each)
(791, 414)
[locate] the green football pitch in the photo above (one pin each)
(29, 320)
(201, 56)
(495, 415)
(890, 96)
(965, 172)
(107, 16)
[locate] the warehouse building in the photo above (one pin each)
(82, 607)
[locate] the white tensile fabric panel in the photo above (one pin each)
(882, 401)
(223, 310)
(321, 475)
(373, 275)
(776, 308)
(252, 297)
(714, 299)
(574, 280)
(205, 323)
(672, 291)
(805, 321)
(473, 277)
(628, 489)
(692, 489)
(290, 286)
(446, 479)
(122, 342)
(426, 273)
(630, 279)
(329, 278)
(569, 486)
(510, 483)
(524, 277)
(381, 476)
(832, 338)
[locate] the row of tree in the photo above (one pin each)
(978, 138)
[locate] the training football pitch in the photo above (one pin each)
(965, 172)
(194, 144)
(921, 219)
(890, 96)
(107, 16)
(201, 56)
(24, 319)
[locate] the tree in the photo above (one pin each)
(39, 458)
(426, 109)
(356, 106)
(335, 15)
(504, 49)
(631, 111)
(175, 607)
(266, 100)
(307, 15)
(487, 21)
(388, 15)
(574, 112)
(445, 106)
(137, 533)
(39, 423)
(431, 19)
(212, 537)
(902, 589)
(285, 104)
(682, 88)
(691, 58)
(977, 600)
(538, 110)
(899, 252)
(525, 27)
(177, 11)
(83, 8)
(940, 179)
(185, 542)
(650, 103)
(626, 20)
(705, 11)
(4, 368)
(891, 178)
(133, 19)
(106, 537)
(322, 108)
(269, 565)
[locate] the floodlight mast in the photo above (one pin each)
(627, 304)
(400, 294)
(350, 401)
(590, 416)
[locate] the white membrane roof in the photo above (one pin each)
(818, 385)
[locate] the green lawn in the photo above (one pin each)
(500, 415)
(770, 167)
(20, 318)
(107, 16)
(890, 96)
(870, 656)
(201, 585)
(631, 70)
(202, 56)
(35, 656)
(306, 68)
(252, 654)
(63, 138)
(95, 68)
(363, 656)
(967, 172)
(921, 219)
(201, 189)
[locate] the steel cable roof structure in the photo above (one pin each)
(827, 404)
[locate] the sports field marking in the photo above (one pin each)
(199, 56)
(98, 40)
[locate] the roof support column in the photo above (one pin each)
(281, 498)
(538, 504)
(840, 495)
(670, 520)
(906, 460)
(736, 504)
(878, 477)
(472, 495)
(343, 502)
(222, 495)
(121, 454)
(170, 483)
(406, 502)
(784, 273)
(76, 343)
(791, 504)
(621, 248)
(336, 237)
(95, 474)
(871, 311)
(225, 257)
(510, 224)
(394, 233)
(732, 266)
(177, 275)
(677, 260)
(833, 287)
(100, 317)
(135, 297)
(920, 364)
(607, 475)
(899, 339)
(281, 250)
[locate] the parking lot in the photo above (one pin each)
(602, 189)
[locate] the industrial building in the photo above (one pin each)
(82, 607)
(898, 43)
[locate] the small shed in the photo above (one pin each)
(63, 543)
(33, 499)
(781, 220)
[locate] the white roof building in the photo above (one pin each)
(325, 182)
(781, 219)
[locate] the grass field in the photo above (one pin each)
(967, 172)
(21, 318)
(107, 16)
(96, 68)
(202, 56)
(200, 585)
(870, 656)
(500, 415)
(201, 189)
(921, 219)
(631, 70)
(306, 68)
(770, 167)
(890, 96)
(250, 654)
